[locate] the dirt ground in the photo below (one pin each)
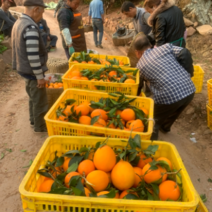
(19, 144)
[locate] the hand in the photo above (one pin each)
(103, 21)
(41, 83)
(71, 50)
(48, 38)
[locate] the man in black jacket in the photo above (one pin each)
(45, 32)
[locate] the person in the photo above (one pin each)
(29, 58)
(96, 12)
(167, 22)
(45, 32)
(71, 27)
(139, 15)
(6, 19)
(170, 83)
(59, 5)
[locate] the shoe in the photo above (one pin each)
(32, 124)
(97, 46)
(163, 130)
(100, 46)
(48, 49)
(41, 131)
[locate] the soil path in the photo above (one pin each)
(19, 144)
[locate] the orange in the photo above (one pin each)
(101, 113)
(88, 104)
(98, 179)
(100, 123)
(91, 62)
(67, 110)
(87, 192)
(62, 118)
(56, 86)
(124, 193)
(169, 190)
(112, 74)
(138, 176)
(50, 86)
(76, 78)
(129, 123)
(84, 78)
(107, 192)
(76, 73)
(83, 62)
(46, 186)
(129, 81)
(137, 126)
(85, 167)
(69, 176)
(118, 112)
(111, 125)
(154, 176)
(104, 158)
(146, 112)
(85, 120)
(66, 164)
(166, 160)
(84, 109)
(128, 115)
(143, 161)
(121, 63)
(75, 61)
(60, 85)
(47, 85)
(123, 175)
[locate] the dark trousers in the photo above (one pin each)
(38, 104)
(166, 115)
(53, 40)
(97, 25)
(67, 53)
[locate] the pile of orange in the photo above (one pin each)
(84, 114)
(110, 76)
(102, 61)
(100, 172)
(54, 85)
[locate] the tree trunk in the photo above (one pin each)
(197, 10)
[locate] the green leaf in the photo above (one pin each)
(113, 94)
(58, 191)
(2, 156)
(137, 140)
(150, 197)
(73, 167)
(77, 191)
(80, 187)
(9, 150)
(122, 155)
(130, 196)
(30, 163)
(132, 143)
(44, 173)
(83, 149)
(75, 159)
(203, 197)
(70, 153)
(94, 120)
(23, 150)
(135, 161)
(70, 101)
(155, 188)
(151, 150)
(111, 194)
(98, 144)
(74, 180)
(61, 177)
(59, 162)
(210, 180)
(132, 156)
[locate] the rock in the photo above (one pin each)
(188, 23)
(206, 54)
(190, 111)
(207, 132)
(131, 26)
(2, 66)
(190, 31)
(196, 24)
(204, 30)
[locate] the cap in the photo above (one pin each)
(34, 3)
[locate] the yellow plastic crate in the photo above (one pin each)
(34, 201)
(198, 78)
(209, 116)
(201, 207)
(209, 83)
(108, 87)
(72, 129)
(124, 59)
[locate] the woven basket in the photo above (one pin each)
(56, 65)
(53, 94)
(122, 41)
(88, 28)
